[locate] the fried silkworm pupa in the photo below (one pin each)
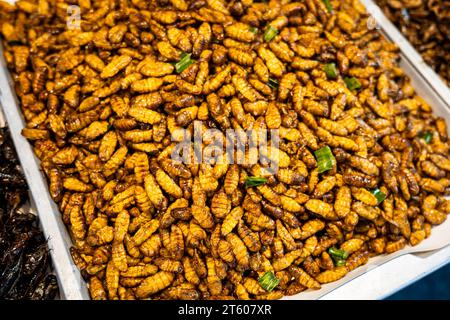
(197, 149)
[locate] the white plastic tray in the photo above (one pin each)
(426, 83)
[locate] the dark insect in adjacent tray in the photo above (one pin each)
(24, 254)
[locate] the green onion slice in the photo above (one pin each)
(427, 136)
(338, 253)
(254, 181)
(184, 62)
(253, 30)
(330, 70)
(352, 83)
(272, 83)
(270, 33)
(325, 159)
(380, 195)
(339, 263)
(328, 5)
(268, 281)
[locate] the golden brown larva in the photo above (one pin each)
(107, 107)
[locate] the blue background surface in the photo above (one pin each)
(435, 286)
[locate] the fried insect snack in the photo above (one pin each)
(426, 24)
(25, 264)
(362, 165)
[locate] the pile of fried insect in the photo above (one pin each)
(24, 257)
(362, 164)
